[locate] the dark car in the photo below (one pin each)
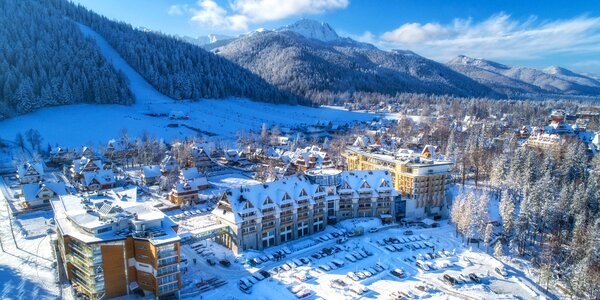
(408, 232)
(225, 262)
(475, 278)
(211, 261)
(450, 280)
(264, 273)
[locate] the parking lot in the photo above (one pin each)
(393, 263)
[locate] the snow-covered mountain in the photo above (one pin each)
(572, 76)
(207, 39)
(522, 80)
(313, 30)
(310, 59)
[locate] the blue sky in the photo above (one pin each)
(533, 33)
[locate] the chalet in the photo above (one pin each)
(40, 194)
(169, 164)
(189, 174)
(118, 149)
(97, 180)
(151, 174)
(201, 157)
(309, 158)
(88, 152)
(84, 164)
(187, 192)
(59, 155)
(29, 172)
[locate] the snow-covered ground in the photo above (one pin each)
(27, 269)
(75, 125)
(460, 260)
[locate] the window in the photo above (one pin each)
(103, 230)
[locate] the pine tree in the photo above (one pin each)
(507, 212)
(498, 252)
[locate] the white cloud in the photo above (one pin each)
(241, 13)
(499, 36)
(178, 9)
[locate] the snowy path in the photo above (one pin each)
(26, 271)
(93, 125)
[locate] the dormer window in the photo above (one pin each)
(365, 185)
(248, 205)
(303, 193)
(286, 196)
(268, 201)
(385, 183)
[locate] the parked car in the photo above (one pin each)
(450, 280)
(373, 229)
(408, 232)
(474, 277)
(422, 265)
(501, 272)
(225, 262)
(350, 258)
(211, 261)
(352, 276)
(397, 272)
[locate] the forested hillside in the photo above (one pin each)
(46, 61)
(176, 68)
(319, 69)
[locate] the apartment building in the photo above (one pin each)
(421, 178)
(110, 245)
(269, 214)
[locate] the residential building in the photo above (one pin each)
(308, 158)
(151, 174)
(110, 245)
(422, 179)
(82, 165)
(269, 214)
(97, 180)
(39, 194)
(169, 164)
(30, 172)
(186, 192)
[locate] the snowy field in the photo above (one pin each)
(90, 124)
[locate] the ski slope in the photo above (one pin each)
(92, 124)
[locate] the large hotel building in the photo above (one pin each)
(264, 215)
(110, 245)
(421, 179)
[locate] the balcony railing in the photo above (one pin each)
(167, 253)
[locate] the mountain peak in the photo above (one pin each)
(476, 62)
(313, 30)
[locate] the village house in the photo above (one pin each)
(82, 165)
(188, 174)
(186, 192)
(169, 164)
(59, 155)
(39, 194)
(151, 175)
(97, 180)
(307, 158)
(29, 172)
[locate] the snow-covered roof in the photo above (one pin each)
(112, 215)
(291, 189)
(100, 176)
(79, 165)
(189, 173)
(151, 171)
(31, 190)
(30, 168)
(191, 185)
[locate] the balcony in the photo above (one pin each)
(167, 270)
(166, 253)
